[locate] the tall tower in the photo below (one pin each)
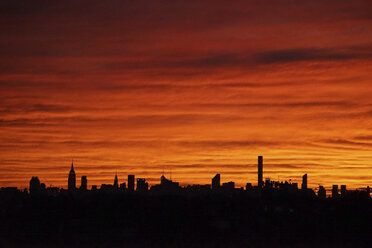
(304, 182)
(216, 181)
(116, 183)
(84, 183)
(260, 168)
(72, 178)
(131, 183)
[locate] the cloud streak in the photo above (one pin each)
(201, 87)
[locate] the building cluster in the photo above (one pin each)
(168, 186)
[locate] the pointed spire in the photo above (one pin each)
(116, 183)
(72, 165)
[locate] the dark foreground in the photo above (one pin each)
(205, 220)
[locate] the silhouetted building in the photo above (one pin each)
(131, 183)
(322, 194)
(52, 191)
(260, 171)
(168, 183)
(84, 183)
(72, 178)
(107, 188)
(35, 187)
(216, 181)
(7, 193)
(304, 182)
(334, 191)
(267, 182)
(94, 188)
(166, 186)
(248, 186)
(116, 182)
(123, 186)
(142, 186)
(282, 186)
(295, 186)
(10, 190)
(343, 190)
(164, 180)
(368, 190)
(229, 186)
(197, 188)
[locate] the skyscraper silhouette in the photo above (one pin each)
(84, 183)
(322, 194)
(228, 186)
(142, 186)
(72, 178)
(216, 182)
(35, 187)
(116, 183)
(334, 191)
(260, 169)
(343, 190)
(304, 182)
(131, 183)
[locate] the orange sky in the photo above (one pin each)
(199, 87)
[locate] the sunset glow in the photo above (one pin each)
(192, 87)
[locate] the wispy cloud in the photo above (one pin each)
(198, 86)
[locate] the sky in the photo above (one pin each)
(191, 88)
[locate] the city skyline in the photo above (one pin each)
(177, 123)
(196, 87)
(215, 182)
